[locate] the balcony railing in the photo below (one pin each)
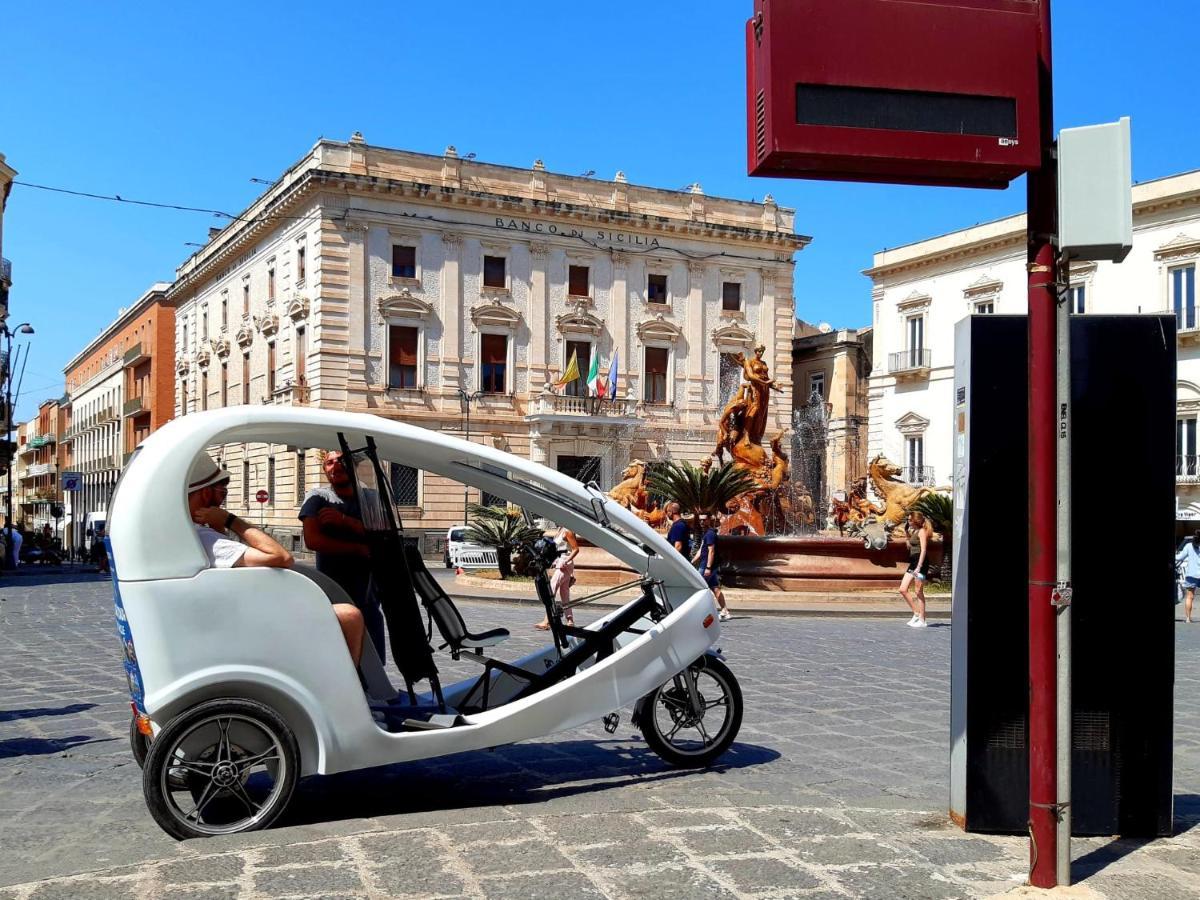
(139, 352)
(5, 272)
(922, 475)
(1187, 469)
(561, 405)
(40, 469)
(909, 362)
(133, 406)
(1187, 323)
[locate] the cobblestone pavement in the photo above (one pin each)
(836, 787)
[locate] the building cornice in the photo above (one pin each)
(155, 294)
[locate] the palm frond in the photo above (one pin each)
(696, 491)
(938, 509)
(499, 527)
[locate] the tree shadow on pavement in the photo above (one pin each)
(512, 775)
(1187, 817)
(46, 746)
(11, 715)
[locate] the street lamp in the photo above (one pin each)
(467, 400)
(7, 334)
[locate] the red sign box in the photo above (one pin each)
(262, 497)
(938, 92)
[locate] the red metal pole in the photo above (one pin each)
(1043, 228)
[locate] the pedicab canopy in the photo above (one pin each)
(153, 536)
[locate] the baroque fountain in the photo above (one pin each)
(777, 535)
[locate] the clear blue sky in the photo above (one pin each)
(186, 103)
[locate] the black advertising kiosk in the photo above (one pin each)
(1122, 529)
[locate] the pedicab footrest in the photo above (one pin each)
(434, 723)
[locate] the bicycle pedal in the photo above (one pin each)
(611, 721)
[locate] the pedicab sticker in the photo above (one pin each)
(133, 675)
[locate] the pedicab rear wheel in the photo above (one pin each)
(221, 767)
(679, 733)
(138, 743)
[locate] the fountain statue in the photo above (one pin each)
(897, 495)
(740, 431)
(631, 493)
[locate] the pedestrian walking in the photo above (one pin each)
(1189, 555)
(707, 562)
(912, 585)
(678, 534)
(564, 576)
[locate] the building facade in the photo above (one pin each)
(451, 294)
(921, 290)
(120, 388)
(831, 368)
(7, 174)
(38, 449)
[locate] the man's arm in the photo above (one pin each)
(264, 549)
(319, 541)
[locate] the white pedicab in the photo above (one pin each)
(240, 678)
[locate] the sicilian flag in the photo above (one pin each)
(593, 377)
(571, 373)
(608, 388)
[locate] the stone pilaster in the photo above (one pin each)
(695, 334)
(452, 376)
(539, 315)
(620, 314)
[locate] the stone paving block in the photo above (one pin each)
(1144, 886)
(667, 884)
(576, 830)
(308, 882)
(513, 830)
(635, 853)
(899, 884)
(955, 851)
(85, 889)
(541, 887)
(213, 892)
(530, 856)
(838, 851)
(418, 848)
(321, 851)
(404, 879)
(207, 869)
(787, 826)
(671, 819)
(725, 840)
(763, 873)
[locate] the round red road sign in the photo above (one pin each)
(262, 497)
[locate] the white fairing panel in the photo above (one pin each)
(271, 634)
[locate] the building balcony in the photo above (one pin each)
(5, 272)
(1187, 325)
(40, 469)
(920, 475)
(1187, 469)
(135, 406)
(289, 393)
(138, 353)
(909, 364)
(547, 407)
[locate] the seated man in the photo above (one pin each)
(208, 485)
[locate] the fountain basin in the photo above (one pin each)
(818, 563)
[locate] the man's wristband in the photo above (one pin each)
(229, 520)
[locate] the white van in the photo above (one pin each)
(464, 553)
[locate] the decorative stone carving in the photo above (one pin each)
(914, 302)
(912, 425)
(404, 306)
(539, 249)
(495, 314)
(221, 345)
(202, 356)
(983, 289)
(268, 324)
(245, 333)
(297, 308)
(451, 238)
(1179, 249)
(658, 329)
(579, 321)
(732, 337)
(182, 366)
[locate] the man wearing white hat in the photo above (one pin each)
(208, 485)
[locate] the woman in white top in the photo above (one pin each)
(564, 575)
(1189, 555)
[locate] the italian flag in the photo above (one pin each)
(593, 376)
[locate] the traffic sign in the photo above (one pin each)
(262, 496)
(72, 481)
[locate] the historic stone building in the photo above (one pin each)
(831, 367)
(922, 289)
(444, 291)
(120, 388)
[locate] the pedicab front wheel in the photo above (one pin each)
(691, 731)
(221, 767)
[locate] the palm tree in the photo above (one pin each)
(699, 491)
(503, 528)
(939, 510)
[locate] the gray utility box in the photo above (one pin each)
(1095, 192)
